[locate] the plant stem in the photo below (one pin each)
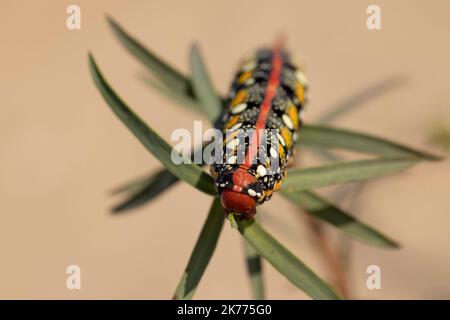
(332, 260)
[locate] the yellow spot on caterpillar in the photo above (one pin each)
(245, 76)
(293, 114)
(240, 97)
(277, 185)
(231, 122)
(286, 134)
(268, 193)
(300, 92)
(230, 136)
(281, 153)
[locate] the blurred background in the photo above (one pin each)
(62, 151)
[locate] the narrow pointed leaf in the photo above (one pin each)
(358, 99)
(329, 137)
(254, 269)
(326, 211)
(325, 154)
(148, 190)
(202, 253)
(342, 172)
(144, 190)
(190, 173)
(161, 69)
(177, 85)
(203, 88)
(181, 99)
(135, 185)
(285, 262)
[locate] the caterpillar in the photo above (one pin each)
(260, 124)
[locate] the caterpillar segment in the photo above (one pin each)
(260, 127)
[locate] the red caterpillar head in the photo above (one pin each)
(239, 203)
(240, 195)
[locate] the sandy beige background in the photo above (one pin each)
(62, 150)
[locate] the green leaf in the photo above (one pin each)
(203, 251)
(181, 99)
(324, 154)
(134, 186)
(254, 269)
(144, 190)
(190, 173)
(358, 99)
(329, 137)
(342, 172)
(326, 211)
(176, 85)
(232, 220)
(285, 262)
(162, 70)
(203, 88)
(147, 190)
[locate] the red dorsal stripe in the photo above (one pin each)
(272, 86)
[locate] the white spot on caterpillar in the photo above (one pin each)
(261, 171)
(232, 160)
(281, 139)
(249, 82)
(232, 144)
(301, 77)
(236, 126)
(287, 121)
(249, 65)
(273, 152)
(251, 192)
(239, 108)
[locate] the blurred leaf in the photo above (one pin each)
(172, 78)
(324, 154)
(190, 173)
(202, 253)
(182, 100)
(326, 211)
(134, 186)
(203, 88)
(254, 269)
(284, 261)
(329, 137)
(358, 99)
(151, 188)
(146, 189)
(342, 172)
(176, 85)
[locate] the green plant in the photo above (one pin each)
(197, 93)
